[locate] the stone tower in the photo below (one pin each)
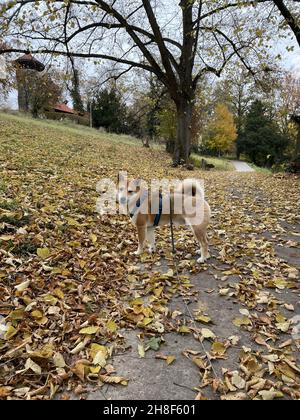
(26, 66)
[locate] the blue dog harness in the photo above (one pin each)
(138, 204)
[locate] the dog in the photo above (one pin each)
(185, 204)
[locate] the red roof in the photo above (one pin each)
(63, 108)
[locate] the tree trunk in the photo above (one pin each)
(184, 133)
(170, 146)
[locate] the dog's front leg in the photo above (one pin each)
(142, 232)
(151, 239)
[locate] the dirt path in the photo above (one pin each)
(242, 166)
(229, 290)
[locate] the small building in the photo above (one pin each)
(63, 108)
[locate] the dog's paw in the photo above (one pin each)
(202, 259)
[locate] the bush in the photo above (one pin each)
(57, 116)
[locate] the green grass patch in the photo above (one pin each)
(259, 169)
(220, 164)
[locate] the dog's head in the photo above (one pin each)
(127, 189)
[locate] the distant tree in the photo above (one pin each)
(221, 131)
(41, 90)
(156, 96)
(262, 141)
(75, 92)
(166, 119)
(109, 110)
(236, 92)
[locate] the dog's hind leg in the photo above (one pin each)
(201, 235)
(151, 239)
(142, 234)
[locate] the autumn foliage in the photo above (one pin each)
(221, 132)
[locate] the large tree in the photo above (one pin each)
(178, 43)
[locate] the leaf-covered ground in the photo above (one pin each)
(71, 289)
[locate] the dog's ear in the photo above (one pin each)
(137, 183)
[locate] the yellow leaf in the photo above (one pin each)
(170, 359)
(43, 253)
(59, 293)
(31, 365)
(50, 299)
(37, 314)
(72, 222)
(184, 329)
(111, 326)
(100, 358)
(95, 348)
(204, 319)
(95, 369)
(59, 360)
(93, 238)
(218, 348)
(10, 332)
(270, 395)
(22, 286)
(147, 321)
(158, 291)
(207, 333)
(45, 352)
(80, 369)
(113, 380)
(89, 330)
(141, 351)
(137, 301)
(17, 314)
(238, 322)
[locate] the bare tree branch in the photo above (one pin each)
(289, 18)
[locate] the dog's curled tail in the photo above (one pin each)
(190, 187)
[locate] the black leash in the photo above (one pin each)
(175, 262)
(172, 232)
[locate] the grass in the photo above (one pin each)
(70, 128)
(220, 164)
(260, 169)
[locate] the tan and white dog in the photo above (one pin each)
(149, 209)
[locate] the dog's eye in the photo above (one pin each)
(130, 192)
